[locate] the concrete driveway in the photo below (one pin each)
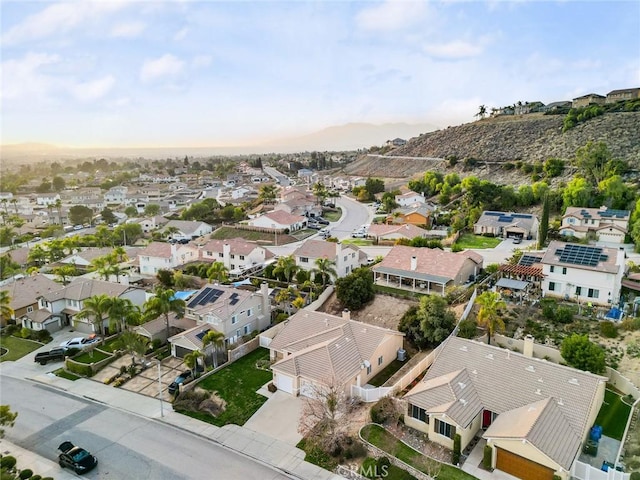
(278, 418)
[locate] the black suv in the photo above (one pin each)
(180, 379)
(76, 458)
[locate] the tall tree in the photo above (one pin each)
(123, 314)
(162, 304)
(6, 312)
(267, 193)
(191, 361)
(325, 269)
(583, 354)
(214, 339)
(134, 344)
(286, 266)
(320, 192)
(96, 309)
(482, 111)
(543, 228)
(356, 289)
(489, 314)
(217, 272)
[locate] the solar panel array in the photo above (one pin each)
(233, 299)
(201, 335)
(506, 217)
(614, 213)
(527, 260)
(208, 295)
(581, 255)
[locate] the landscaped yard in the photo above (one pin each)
(386, 374)
(62, 373)
(90, 357)
(469, 240)
(16, 347)
(332, 216)
(360, 242)
(225, 233)
(237, 385)
(387, 442)
(613, 415)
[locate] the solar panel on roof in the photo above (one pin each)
(199, 297)
(528, 260)
(493, 214)
(233, 299)
(521, 215)
(505, 218)
(581, 255)
(201, 335)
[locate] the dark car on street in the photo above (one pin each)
(180, 379)
(76, 458)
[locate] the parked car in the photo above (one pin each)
(517, 240)
(76, 458)
(80, 342)
(180, 379)
(313, 225)
(321, 220)
(359, 234)
(54, 354)
(325, 233)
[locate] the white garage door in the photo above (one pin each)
(284, 383)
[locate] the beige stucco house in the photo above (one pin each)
(605, 224)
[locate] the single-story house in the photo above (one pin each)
(409, 198)
(506, 225)
(279, 220)
(315, 350)
(588, 99)
(407, 231)
(427, 270)
(535, 431)
(187, 230)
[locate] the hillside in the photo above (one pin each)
(529, 138)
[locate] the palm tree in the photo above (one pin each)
(123, 314)
(286, 266)
(191, 360)
(215, 338)
(320, 191)
(14, 201)
(170, 232)
(95, 309)
(4, 204)
(64, 272)
(134, 344)
(325, 269)
(163, 303)
(102, 266)
(217, 272)
(285, 296)
(267, 193)
(488, 316)
(120, 253)
(59, 208)
(103, 236)
(482, 111)
(37, 255)
(6, 312)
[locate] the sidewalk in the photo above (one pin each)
(262, 448)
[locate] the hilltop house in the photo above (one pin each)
(604, 224)
(153, 223)
(622, 95)
(230, 311)
(409, 198)
(186, 230)
(345, 257)
(583, 273)
(506, 225)
(535, 431)
(588, 99)
(234, 253)
(427, 270)
(314, 350)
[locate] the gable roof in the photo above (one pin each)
(26, 291)
(433, 264)
(571, 391)
(219, 300)
(185, 226)
(326, 348)
(586, 257)
(284, 218)
(321, 249)
(406, 230)
(156, 249)
(238, 246)
(82, 288)
(493, 219)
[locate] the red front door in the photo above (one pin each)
(487, 418)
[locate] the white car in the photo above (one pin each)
(80, 342)
(359, 234)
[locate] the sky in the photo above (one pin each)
(207, 73)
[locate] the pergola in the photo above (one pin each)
(410, 280)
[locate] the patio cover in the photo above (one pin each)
(512, 284)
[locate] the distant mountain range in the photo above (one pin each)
(352, 136)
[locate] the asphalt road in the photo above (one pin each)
(355, 215)
(127, 446)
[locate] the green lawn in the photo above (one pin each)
(469, 240)
(225, 233)
(613, 415)
(386, 441)
(88, 358)
(16, 347)
(237, 385)
(360, 242)
(111, 345)
(61, 372)
(332, 216)
(369, 469)
(386, 374)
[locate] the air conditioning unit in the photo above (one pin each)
(402, 354)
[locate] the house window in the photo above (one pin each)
(552, 268)
(30, 309)
(220, 254)
(209, 254)
(238, 333)
(247, 329)
(369, 370)
(249, 313)
(304, 259)
(552, 286)
(233, 256)
(345, 258)
(578, 291)
(241, 257)
(445, 429)
(564, 270)
(234, 320)
(418, 413)
(593, 293)
(232, 266)
(380, 360)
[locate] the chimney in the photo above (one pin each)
(414, 263)
(528, 346)
(266, 303)
(226, 254)
(346, 314)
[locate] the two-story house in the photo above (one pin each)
(153, 223)
(231, 311)
(235, 253)
(116, 195)
(586, 274)
(279, 220)
(622, 95)
(24, 293)
(186, 230)
(605, 224)
(588, 99)
(66, 302)
(409, 198)
(164, 256)
(345, 257)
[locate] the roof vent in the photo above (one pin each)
(574, 381)
(474, 371)
(560, 402)
(489, 356)
(530, 368)
(464, 348)
(462, 385)
(463, 402)
(538, 392)
(540, 380)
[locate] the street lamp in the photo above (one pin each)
(160, 387)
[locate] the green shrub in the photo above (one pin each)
(36, 477)
(635, 476)
(26, 473)
(8, 462)
(456, 248)
(281, 317)
(564, 315)
(487, 457)
(455, 457)
(80, 369)
(467, 329)
(383, 462)
(608, 329)
(156, 344)
(384, 410)
(25, 332)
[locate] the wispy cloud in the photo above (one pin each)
(457, 49)
(23, 77)
(200, 61)
(94, 89)
(128, 29)
(166, 66)
(391, 15)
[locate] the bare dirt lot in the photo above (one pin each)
(383, 311)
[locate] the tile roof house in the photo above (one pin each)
(313, 350)
(535, 430)
(235, 253)
(605, 224)
(66, 302)
(24, 293)
(83, 258)
(279, 220)
(419, 214)
(428, 270)
(583, 273)
(153, 223)
(588, 99)
(379, 231)
(506, 225)
(162, 256)
(622, 95)
(232, 311)
(187, 230)
(409, 198)
(346, 257)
